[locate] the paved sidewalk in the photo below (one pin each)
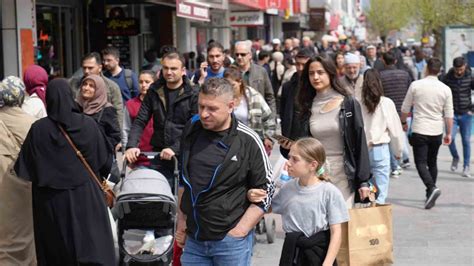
(443, 235)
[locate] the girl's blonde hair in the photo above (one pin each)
(310, 149)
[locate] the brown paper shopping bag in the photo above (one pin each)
(367, 237)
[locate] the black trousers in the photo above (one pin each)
(425, 150)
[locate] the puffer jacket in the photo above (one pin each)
(167, 124)
(461, 89)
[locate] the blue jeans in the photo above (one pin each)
(464, 122)
(228, 251)
(380, 166)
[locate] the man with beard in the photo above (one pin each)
(171, 104)
(213, 67)
(352, 78)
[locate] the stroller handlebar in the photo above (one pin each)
(150, 156)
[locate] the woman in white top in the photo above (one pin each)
(36, 80)
(251, 108)
(382, 128)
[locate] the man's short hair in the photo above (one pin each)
(174, 55)
(167, 49)
(247, 45)
(93, 55)
(111, 51)
(459, 62)
(213, 45)
(218, 87)
(305, 53)
(389, 58)
(433, 66)
(263, 54)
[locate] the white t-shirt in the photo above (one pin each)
(310, 209)
(241, 112)
(34, 106)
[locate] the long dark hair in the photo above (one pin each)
(372, 90)
(307, 92)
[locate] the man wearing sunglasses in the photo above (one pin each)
(254, 75)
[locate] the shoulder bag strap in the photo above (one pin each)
(81, 157)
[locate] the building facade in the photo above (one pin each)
(57, 33)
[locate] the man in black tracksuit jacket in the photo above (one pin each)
(221, 160)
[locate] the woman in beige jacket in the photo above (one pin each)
(16, 221)
(382, 128)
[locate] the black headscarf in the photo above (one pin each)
(60, 103)
(47, 159)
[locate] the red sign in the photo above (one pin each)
(277, 4)
(192, 11)
(296, 6)
(256, 4)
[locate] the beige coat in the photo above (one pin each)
(16, 215)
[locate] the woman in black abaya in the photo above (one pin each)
(70, 216)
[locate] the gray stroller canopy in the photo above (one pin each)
(145, 185)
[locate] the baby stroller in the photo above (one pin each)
(146, 211)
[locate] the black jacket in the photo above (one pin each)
(218, 208)
(167, 124)
(109, 124)
(461, 89)
(289, 114)
(395, 84)
(305, 251)
(356, 154)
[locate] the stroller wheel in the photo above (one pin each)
(260, 228)
(270, 226)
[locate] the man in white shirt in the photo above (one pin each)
(432, 105)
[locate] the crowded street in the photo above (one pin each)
(236, 132)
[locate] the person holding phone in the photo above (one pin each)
(329, 113)
(213, 67)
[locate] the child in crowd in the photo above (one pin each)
(145, 79)
(312, 208)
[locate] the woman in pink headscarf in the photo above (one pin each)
(36, 80)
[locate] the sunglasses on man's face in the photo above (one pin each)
(240, 54)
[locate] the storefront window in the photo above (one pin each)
(55, 50)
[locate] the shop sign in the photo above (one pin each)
(317, 19)
(256, 4)
(277, 4)
(122, 27)
(192, 11)
(238, 19)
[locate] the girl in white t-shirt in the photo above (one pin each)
(312, 208)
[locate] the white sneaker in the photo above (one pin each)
(466, 172)
(395, 174)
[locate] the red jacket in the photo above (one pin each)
(133, 106)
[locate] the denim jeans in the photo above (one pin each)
(228, 251)
(425, 151)
(464, 122)
(380, 167)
